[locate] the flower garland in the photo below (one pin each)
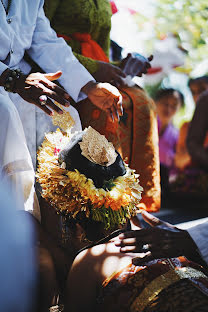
(71, 192)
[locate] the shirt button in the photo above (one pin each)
(12, 51)
(9, 20)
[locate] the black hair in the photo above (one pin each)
(168, 91)
(198, 79)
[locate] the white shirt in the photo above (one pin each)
(26, 28)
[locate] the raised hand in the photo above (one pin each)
(106, 97)
(38, 89)
(136, 64)
(110, 73)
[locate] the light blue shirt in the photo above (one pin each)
(26, 28)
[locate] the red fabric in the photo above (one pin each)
(113, 7)
(89, 47)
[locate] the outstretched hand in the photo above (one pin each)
(35, 85)
(161, 240)
(106, 97)
(136, 64)
(109, 73)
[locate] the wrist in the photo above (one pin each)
(10, 78)
(88, 87)
(3, 77)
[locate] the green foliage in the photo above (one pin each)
(188, 21)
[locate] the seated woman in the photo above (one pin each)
(86, 25)
(188, 178)
(86, 181)
(168, 102)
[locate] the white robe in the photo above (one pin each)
(26, 28)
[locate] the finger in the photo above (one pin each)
(120, 72)
(128, 249)
(44, 108)
(53, 76)
(118, 81)
(54, 106)
(110, 115)
(119, 106)
(52, 94)
(114, 111)
(138, 234)
(150, 58)
(126, 242)
(60, 91)
(152, 220)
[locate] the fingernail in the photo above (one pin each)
(112, 117)
(121, 236)
(121, 109)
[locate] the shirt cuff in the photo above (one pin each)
(199, 234)
(74, 78)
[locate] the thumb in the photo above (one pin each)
(53, 76)
(150, 58)
(152, 220)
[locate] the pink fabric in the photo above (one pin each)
(167, 144)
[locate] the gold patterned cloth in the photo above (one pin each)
(162, 285)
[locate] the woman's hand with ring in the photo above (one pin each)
(38, 89)
(161, 240)
(106, 97)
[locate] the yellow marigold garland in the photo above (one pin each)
(71, 192)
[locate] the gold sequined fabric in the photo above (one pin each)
(164, 285)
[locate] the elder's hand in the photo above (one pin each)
(37, 85)
(109, 73)
(161, 240)
(106, 97)
(136, 64)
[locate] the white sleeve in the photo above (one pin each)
(3, 67)
(52, 54)
(199, 234)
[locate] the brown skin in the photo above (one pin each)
(182, 157)
(167, 107)
(197, 88)
(164, 241)
(134, 66)
(106, 97)
(31, 87)
(53, 265)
